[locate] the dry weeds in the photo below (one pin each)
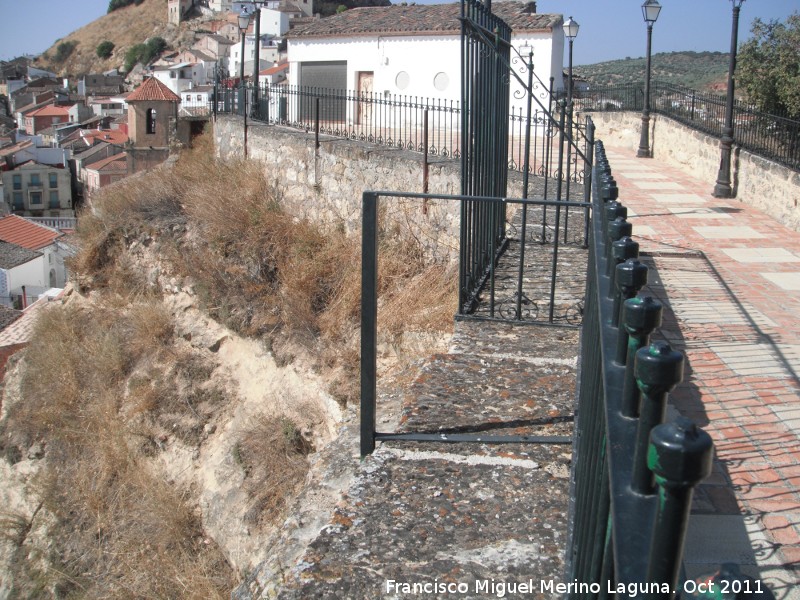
(121, 531)
(103, 384)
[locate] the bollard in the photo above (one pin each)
(679, 456)
(629, 278)
(640, 317)
(658, 369)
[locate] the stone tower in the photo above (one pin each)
(152, 121)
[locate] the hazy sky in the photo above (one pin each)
(609, 28)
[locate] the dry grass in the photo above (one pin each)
(104, 382)
(272, 453)
(121, 530)
(259, 269)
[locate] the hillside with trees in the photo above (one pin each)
(698, 70)
(106, 42)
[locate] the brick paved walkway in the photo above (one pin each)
(729, 277)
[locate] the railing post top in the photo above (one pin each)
(625, 248)
(658, 368)
(616, 209)
(619, 228)
(680, 454)
(641, 316)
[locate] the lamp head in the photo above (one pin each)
(244, 20)
(650, 10)
(571, 28)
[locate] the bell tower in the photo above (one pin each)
(152, 119)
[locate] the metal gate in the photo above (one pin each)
(485, 53)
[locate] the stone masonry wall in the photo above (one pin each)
(757, 181)
(326, 186)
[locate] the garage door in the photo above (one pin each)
(330, 80)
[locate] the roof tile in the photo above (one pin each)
(421, 18)
(152, 89)
(30, 235)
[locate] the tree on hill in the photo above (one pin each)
(104, 49)
(115, 4)
(768, 69)
(144, 53)
(63, 50)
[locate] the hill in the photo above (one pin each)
(698, 70)
(125, 27)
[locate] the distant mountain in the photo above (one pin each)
(698, 70)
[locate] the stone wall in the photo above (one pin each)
(326, 185)
(756, 181)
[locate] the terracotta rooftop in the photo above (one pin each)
(116, 162)
(153, 89)
(112, 136)
(276, 69)
(427, 19)
(51, 110)
(19, 231)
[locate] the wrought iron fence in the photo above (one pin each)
(772, 136)
(396, 121)
(633, 475)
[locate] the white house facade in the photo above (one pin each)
(413, 50)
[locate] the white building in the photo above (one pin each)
(21, 275)
(413, 50)
(268, 54)
(181, 76)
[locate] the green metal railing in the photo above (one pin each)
(633, 475)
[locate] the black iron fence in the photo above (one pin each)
(772, 136)
(428, 125)
(506, 294)
(633, 475)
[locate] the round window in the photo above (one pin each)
(402, 80)
(441, 81)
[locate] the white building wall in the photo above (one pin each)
(273, 22)
(30, 274)
(422, 66)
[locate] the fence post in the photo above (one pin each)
(425, 161)
(369, 320)
(587, 178)
(316, 123)
(658, 369)
(680, 456)
(640, 317)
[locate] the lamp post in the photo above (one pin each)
(650, 10)
(723, 187)
(244, 21)
(570, 32)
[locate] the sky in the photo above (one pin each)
(609, 29)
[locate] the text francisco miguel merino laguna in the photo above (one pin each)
(499, 589)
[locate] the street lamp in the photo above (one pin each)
(244, 22)
(650, 10)
(570, 32)
(723, 187)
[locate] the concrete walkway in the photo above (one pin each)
(729, 277)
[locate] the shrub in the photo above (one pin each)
(117, 4)
(104, 49)
(64, 50)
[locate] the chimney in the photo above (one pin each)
(529, 8)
